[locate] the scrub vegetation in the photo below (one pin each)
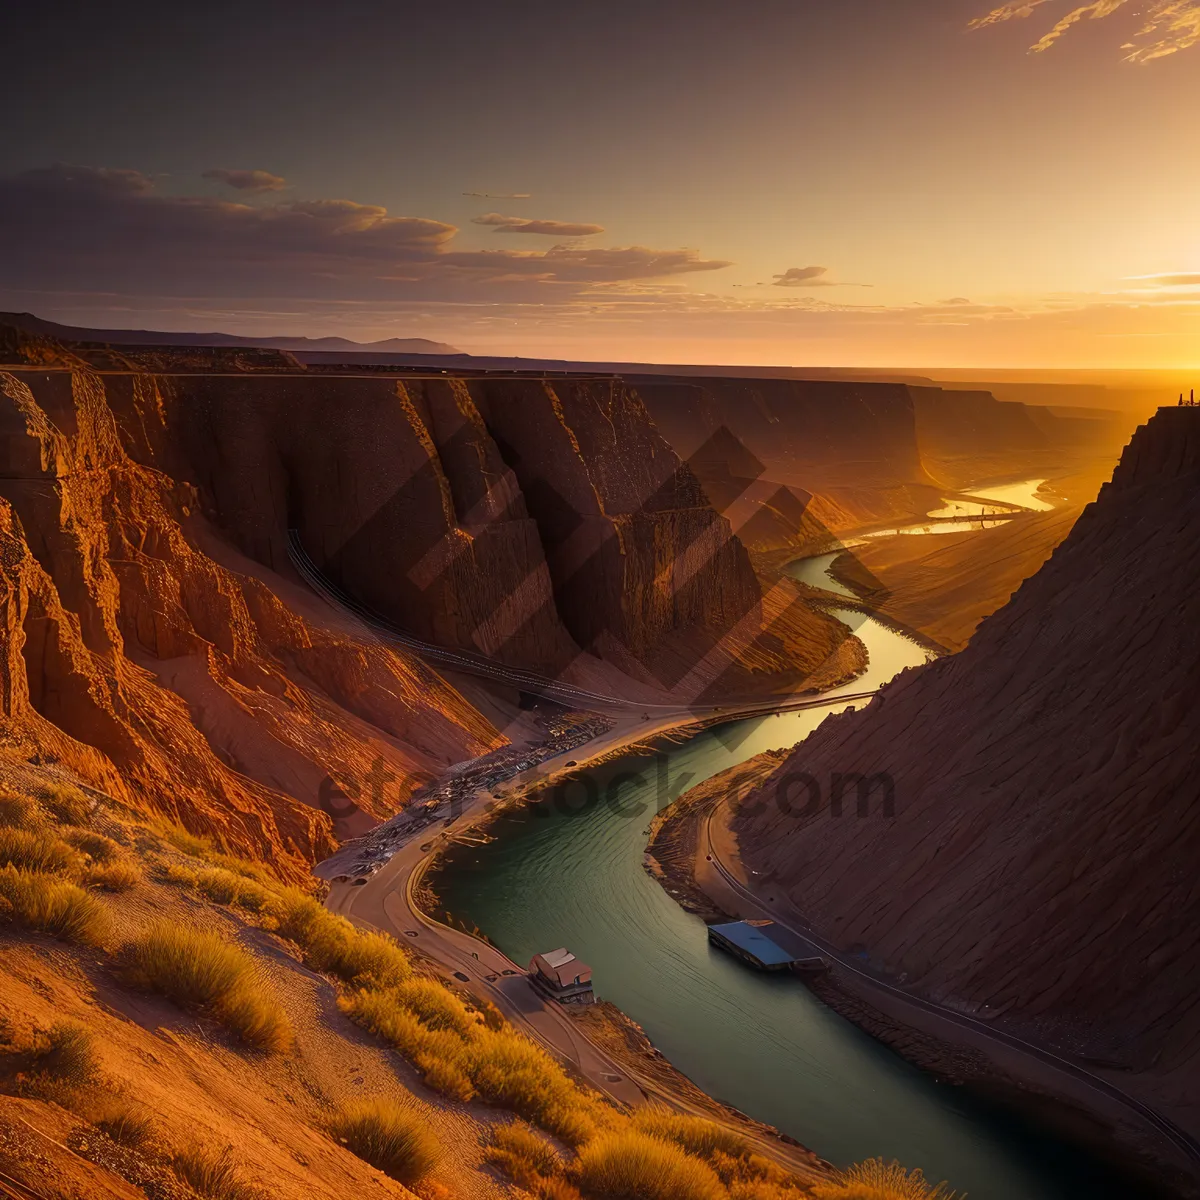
(877, 1180)
(201, 971)
(391, 1139)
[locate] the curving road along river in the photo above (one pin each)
(571, 874)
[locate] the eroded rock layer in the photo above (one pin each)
(146, 654)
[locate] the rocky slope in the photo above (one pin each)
(1040, 868)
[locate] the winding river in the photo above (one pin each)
(571, 874)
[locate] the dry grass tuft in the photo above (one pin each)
(556, 1189)
(168, 872)
(124, 1122)
(435, 1006)
(208, 851)
(501, 1068)
(96, 846)
(213, 1176)
(392, 1140)
(445, 1076)
(21, 812)
(632, 1166)
(511, 1072)
(36, 850)
(701, 1138)
(333, 946)
(52, 905)
(66, 803)
(67, 1054)
(758, 1189)
(226, 887)
(204, 972)
(877, 1180)
(113, 877)
(523, 1155)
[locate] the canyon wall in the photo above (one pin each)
(791, 461)
(536, 522)
(969, 436)
(145, 653)
(1040, 865)
(160, 642)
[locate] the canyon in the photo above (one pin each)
(278, 602)
(607, 532)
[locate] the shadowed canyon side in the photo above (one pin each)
(1039, 869)
(543, 524)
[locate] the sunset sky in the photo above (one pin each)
(851, 182)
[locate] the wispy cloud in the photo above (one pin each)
(500, 195)
(247, 181)
(810, 277)
(1168, 26)
(1173, 280)
(503, 224)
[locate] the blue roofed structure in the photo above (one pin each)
(752, 943)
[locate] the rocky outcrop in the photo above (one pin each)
(144, 653)
(1040, 865)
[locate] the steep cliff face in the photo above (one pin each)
(1041, 862)
(141, 649)
(525, 520)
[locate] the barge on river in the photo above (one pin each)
(766, 946)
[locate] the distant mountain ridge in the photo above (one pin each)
(150, 337)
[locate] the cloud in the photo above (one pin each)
(96, 182)
(248, 181)
(505, 224)
(804, 277)
(1184, 279)
(810, 277)
(70, 229)
(576, 264)
(1168, 26)
(955, 301)
(1008, 12)
(500, 195)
